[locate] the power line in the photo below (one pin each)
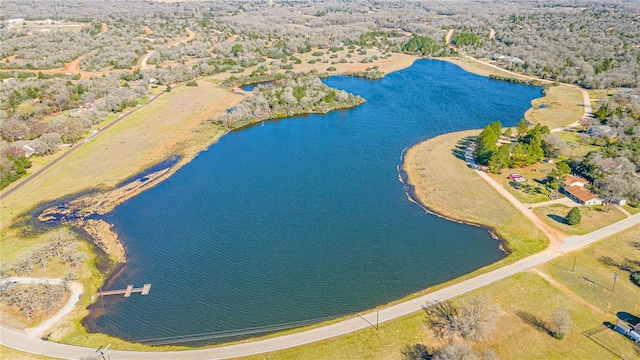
(235, 332)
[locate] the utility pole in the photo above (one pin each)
(55, 6)
(615, 278)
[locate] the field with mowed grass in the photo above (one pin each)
(561, 106)
(593, 217)
(530, 191)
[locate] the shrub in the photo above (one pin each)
(635, 277)
(191, 83)
(574, 216)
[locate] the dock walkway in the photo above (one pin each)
(144, 290)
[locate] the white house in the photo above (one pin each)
(574, 189)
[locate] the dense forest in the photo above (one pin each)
(65, 68)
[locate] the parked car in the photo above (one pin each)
(513, 176)
(520, 179)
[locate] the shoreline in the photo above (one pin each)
(412, 196)
(101, 202)
(100, 230)
(204, 147)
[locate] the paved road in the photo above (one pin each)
(20, 340)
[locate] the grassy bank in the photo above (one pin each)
(561, 106)
(158, 130)
(173, 124)
(466, 197)
(522, 298)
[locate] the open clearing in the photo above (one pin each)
(530, 191)
(593, 218)
(137, 142)
(561, 106)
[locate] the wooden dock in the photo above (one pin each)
(144, 290)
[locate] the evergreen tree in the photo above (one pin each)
(522, 128)
(487, 142)
(574, 216)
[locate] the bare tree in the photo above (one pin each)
(47, 143)
(457, 350)
(473, 319)
(560, 323)
(13, 130)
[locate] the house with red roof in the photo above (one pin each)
(574, 189)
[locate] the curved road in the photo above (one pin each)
(21, 341)
(75, 289)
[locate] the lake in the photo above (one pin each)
(293, 221)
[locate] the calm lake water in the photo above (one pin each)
(305, 218)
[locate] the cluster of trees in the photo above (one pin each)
(613, 167)
(13, 164)
(60, 244)
(425, 45)
(591, 46)
(529, 147)
(288, 95)
(51, 110)
(32, 300)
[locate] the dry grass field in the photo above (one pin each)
(142, 139)
(561, 106)
(466, 196)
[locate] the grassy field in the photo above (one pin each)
(598, 96)
(9, 353)
(137, 142)
(593, 218)
(561, 106)
(522, 298)
(575, 146)
(436, 162)
(592, 278)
